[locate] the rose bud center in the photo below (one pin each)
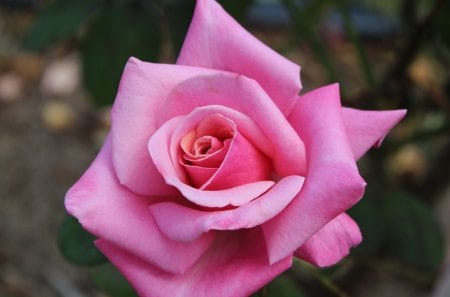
(216, 156)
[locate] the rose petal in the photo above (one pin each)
(112, 212)
(160, 152)
(182, 223)
(368, 128)
(331, 243)
(215, 40)
(198, 176)
(247, 127)
(133, 120)
(332, 183)
(243, 164)
(235, 265)
(141, 106)
(245, 96)
(212, 160)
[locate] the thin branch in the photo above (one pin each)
(422, 32)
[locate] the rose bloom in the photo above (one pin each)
(216, 172)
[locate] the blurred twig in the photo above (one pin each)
(420, 33)
(327, 282)
(416, 275)
(304, 26)
(394, 84)
(356, 41)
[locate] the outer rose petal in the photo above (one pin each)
(142, 105)
(332, 182)
(215, 40)
(236, 265)
(181, 223)
(368, 128)
(139, 100)
(331, 243)
(112, 212)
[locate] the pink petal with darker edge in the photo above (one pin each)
(114, 213)
(182, 223)
(367, 128)
(244, 95)
(235, 265)
(331, 243)
(215, 40)
(172, 172)
(332, 183)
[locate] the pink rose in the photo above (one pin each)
(216, 172)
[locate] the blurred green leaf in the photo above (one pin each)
(414, 236)
(77, 245)
(282, 286)
(343, 8)
(59, 20)
(370, 220)
(107, 278)
(444, 25)
(237, 9)
(304, 25)
(179, 17)
(120, 32)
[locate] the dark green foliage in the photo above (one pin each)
(282, 286)
(117, 34)
(58, 21)
(107, 278)
(413, 235)
(370, 220)
(77, 245)
(237, 9)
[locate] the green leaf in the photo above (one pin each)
(414, 236)
(119, 33)
(179, 16)
(304, 26)
(59, 20)
(108, 279)
(282, 286)
(370, 220)
(237, 9)
(343, 8)
(444, 25)
(77, 245)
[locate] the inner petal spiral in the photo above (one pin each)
(216, 156)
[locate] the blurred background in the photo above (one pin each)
(60, 63)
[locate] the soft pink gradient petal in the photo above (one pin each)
(366, 129)
(235, 265)
(133, 120)
(198, 176)
(114, 213)
(243, 164)
(186, 224)
(212, 160)
(140, 108)
(331, 243)
(332, 183)
(244, 95)
(246, 126)
(158, 147)
(215, 40)
(140, 101)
